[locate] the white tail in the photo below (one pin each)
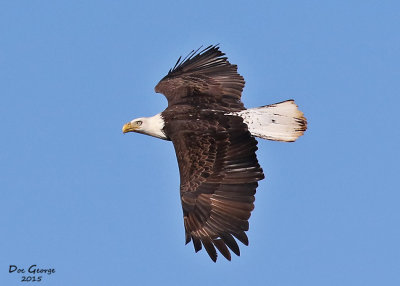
(280, 122)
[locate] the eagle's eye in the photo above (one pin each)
(138, 123)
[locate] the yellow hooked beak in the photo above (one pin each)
(128, 127)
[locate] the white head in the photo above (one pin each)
(152, 126)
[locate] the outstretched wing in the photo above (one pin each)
(219, 173)
(205, 79)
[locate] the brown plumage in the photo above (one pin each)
(216, 153)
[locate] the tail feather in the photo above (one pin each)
(279, 122)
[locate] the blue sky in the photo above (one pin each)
(103, 208)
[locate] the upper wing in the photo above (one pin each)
(219, 173)
(205, 79)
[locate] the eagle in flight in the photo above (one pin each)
(214, 140)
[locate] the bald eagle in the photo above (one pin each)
(214, 139)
